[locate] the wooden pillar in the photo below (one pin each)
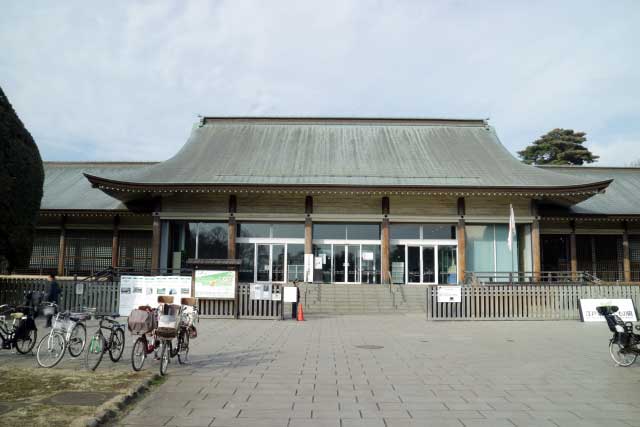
(573, 252)
(155, 244)
(462, 241)
(384, 243)
(308, 225)
(231, 245)
(626, 254)
(535, 248)
(115, 242)
(62, 247)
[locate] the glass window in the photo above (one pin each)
(428, 265)
(438, 231)
(212, 240)
(447, 265)
(277, 263)
(480, 248)
(370, 264)
(404, 231)
(294, 230)
(295, 262)
(363, 231)
(253, 229)
(323, 274)
(396, 254)
(245, 252)
(329, 231)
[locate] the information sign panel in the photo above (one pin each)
(449, 293)
(215, 284)
(588, 312)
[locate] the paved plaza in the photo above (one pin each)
(316, 374)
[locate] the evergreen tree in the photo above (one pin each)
(558, 147)
(21, 180)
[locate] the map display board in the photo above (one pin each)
(215, 284)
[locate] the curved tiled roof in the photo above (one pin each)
(374, 153)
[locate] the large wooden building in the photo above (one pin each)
(411, 201)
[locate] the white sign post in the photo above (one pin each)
(290, 294)
(588, 312)
(449, 293)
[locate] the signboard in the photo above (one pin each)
(260, 291)
(367, 256)
(397, 272)
(449, 293)
(215, 284)
(588, 312)
(144, 290)
(318, 263)
(79, 288)
(308, 267)
(290, 294)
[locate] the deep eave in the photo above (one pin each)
(125, 191)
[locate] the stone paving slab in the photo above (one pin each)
(290, 374)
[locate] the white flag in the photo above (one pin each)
(512, 227)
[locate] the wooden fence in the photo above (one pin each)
(101, 295)
(246, 307)
(522, 302)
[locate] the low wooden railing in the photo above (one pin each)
(522, 302)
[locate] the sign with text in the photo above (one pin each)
(260, 291)
(449, 293)
(215, 284)
(144, 290)
(588, 312)
(290, 294)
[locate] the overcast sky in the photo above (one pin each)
(126, 80)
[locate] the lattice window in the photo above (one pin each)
(135, 250)
(44, 256)
(634, 257)
(87, 251)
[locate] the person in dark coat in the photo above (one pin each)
(53, 295)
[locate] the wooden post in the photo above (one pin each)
(573, 252)
(155, 244)
(626, 254)
(62, 247)
(231, 248)
(115, 242)
(535, 248)
(384, 243)
(308, 225)
(462, 241)
(462, 250)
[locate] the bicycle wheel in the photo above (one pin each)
(183, 346)
(139, 353)
(620, 356)
(165, 354)
(95, 350)
(116, 347)
(51, 350)
(77, 340)
(26, 344)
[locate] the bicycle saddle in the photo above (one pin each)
(79, 317)
(17, 315)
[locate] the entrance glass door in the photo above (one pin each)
(277, 263)
(413, 264)
(428, 265)
(263, 263)
(353, 263)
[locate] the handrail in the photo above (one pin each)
(519, 277)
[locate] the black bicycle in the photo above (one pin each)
(98, 344)
(624, 345)
(21, 332)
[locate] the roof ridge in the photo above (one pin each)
(97, 162)
(348, 120)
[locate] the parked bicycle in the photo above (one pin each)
(173, 322)
(99, 344)
(17, 328)
(624, 345)
(143, 321)
(68, 331)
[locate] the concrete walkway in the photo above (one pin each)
(312, 374)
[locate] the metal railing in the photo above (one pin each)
(529, 277)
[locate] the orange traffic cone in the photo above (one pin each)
(300, 313)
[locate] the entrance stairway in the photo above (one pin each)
(362, 299)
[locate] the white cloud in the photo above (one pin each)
(126, 81)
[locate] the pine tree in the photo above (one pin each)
(558, 147)
(21, 180)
